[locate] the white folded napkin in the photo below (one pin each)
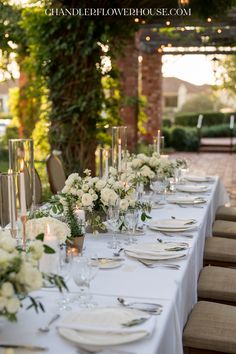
(146, 327)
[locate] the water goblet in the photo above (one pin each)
(64, 271)
(131, 217)
(113, 217)
(84, 270)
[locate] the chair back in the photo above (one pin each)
(4, 204)
(56, 173)
(38, 188)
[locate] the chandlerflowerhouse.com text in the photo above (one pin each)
(118, 11)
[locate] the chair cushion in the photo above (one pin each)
(211, 326)
(224, 228)
(217, 283)
(220, 249)
(226, 213)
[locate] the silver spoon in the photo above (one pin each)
(47, 327)
(117, 254)
(139, 305)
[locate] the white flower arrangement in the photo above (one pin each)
(37, 226)
(19, 275)
(145, 168)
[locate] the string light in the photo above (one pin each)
(167, 23)
(148, 38)
(182, 29)
(136, 20)
(159, 50)
(209, 19)
(219, 30)
(143, 22)
(169, 45)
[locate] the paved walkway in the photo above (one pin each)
(223, 165)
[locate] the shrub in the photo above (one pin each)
(166, 123)
(184, 139)
(220, 130)
(166, 132)
(209, 118)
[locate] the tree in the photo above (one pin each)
(229, 73)
(62, 54)
(202, 103)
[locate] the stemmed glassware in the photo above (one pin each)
(84, 269)
(113, 219)
(131, 219)
(65, 271)
(159, 185)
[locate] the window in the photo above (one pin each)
(171, 101)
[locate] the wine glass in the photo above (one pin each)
(131, 217)
(64, 271)
(113, 218)
(158, 185)
(84, 269)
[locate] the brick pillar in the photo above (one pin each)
(152, 89)
(128, 67)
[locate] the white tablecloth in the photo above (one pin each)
(176, 290)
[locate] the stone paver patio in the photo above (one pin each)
(221, 164)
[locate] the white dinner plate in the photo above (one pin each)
(199, 178)
(191, 188)
(172, 223)
(156, 251)
(186, 200)
(172, 230)
(106, 318)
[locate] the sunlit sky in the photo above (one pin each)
(197, 69)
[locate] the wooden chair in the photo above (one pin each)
(38, 188)
(56, 173)
(226, 213)
(220, 251)
(210, 329)
(217, 284)
(4, 208)
(222, 228)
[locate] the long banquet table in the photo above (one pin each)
(176, 290)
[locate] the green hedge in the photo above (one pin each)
(209, 119)
(220, 130)
(184, 139)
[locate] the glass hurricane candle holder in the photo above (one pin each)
(21, 161)
(119, 147)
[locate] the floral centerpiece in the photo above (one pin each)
(19, 275)
(94, 195)
(145, 168)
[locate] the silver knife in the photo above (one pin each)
(23, 346)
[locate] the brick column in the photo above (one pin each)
(152, 89)
(128, 67)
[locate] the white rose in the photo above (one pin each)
(29, 277)
(124, 204)
(12, 305)
(113, 171)
(87, 199)
(7, 290)
(3, 302)
(136, 163)
(147, 172)
(36, 249)
(108, 196)
(7, 243)
(100, 184)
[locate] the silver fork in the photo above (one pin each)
(103, 351)
(161, 265)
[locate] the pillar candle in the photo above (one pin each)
(158, 141)
(22, 190)
(119, 155)
(9, 184)
(50, 263)
(106, 164)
